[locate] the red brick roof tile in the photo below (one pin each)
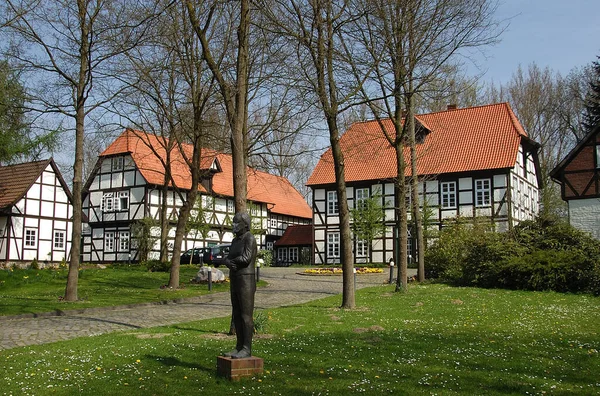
(470, 139)
(147, 151)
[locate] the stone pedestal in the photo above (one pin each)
(236, 369)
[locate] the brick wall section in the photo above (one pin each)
(236, 369)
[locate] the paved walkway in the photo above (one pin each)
(285, 287)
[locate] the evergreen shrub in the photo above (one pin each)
(535, 255)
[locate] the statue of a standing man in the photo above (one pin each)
(240, 262)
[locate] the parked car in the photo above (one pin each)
(196, 255)
(215, 254)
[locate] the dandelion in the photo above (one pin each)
(138, 360)
(185, 377)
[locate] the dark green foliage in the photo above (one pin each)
(535, 255)
(157, 265)
(592, 100)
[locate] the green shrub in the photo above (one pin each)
(157, 266)
(535, 255)
(267, 256)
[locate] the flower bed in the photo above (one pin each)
(338, 271)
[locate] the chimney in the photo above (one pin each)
(452, 107)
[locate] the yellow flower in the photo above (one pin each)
(137, 361)
(25, 277)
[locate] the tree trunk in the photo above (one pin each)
(401, 224)
(73, 275)
(346, 258)
(416, 210)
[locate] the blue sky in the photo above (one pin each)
(560, 34)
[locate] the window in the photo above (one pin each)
(598, 156)
(254, 210)
(449, 195)
(117, 163)
(482, 192)
(274, 223)
(112, 202)
(282, 254)
(107, 204)
(123, 201)
(333, 245)
(361, 195)
(59, 239)
(230, 206)
(332, 203)
(109, 241)
(361, 248)
(124, 241)
(293, 255)
(30, 237)
(269, 245)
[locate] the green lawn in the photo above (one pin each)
(433, 340)
(34, 291)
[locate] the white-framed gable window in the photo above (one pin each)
(230, 206)
(333, 245)
(109, 241)
(107, 204)
(59, 239)
(123, 241)
(448, 192)
(116, 163)
(30, 237)
(332, 203)
(112, 202)
(361, 248)
(361, 195)
(123, 201)
(483, 193)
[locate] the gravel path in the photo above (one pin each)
(285, 287)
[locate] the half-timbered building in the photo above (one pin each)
(471, 162)
(295, 246)
(35, 214)
(129, 183)
(579, 177)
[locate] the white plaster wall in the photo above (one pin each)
(584, 214)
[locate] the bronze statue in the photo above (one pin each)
(240, 262)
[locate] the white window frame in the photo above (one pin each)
(293, 254)
(282, 254)
(273, 223)
(362, 248)
(116, 164)
(123, 241)
(59, 239)
(230, 206)
(448, 195)
(122, 200)
(30, 238)
(107, 204)
(333, 245)
(109, 241)
(483, 193)
(269, 245)
(361, 195)
(332, 203)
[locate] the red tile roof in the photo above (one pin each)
(470, 139)
(296, 235)
(15, 180)
(147, 150)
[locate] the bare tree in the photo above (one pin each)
(68, 47)
(410, 45)
(207, 17)
(315, 30)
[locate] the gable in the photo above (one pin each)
(15, 180)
